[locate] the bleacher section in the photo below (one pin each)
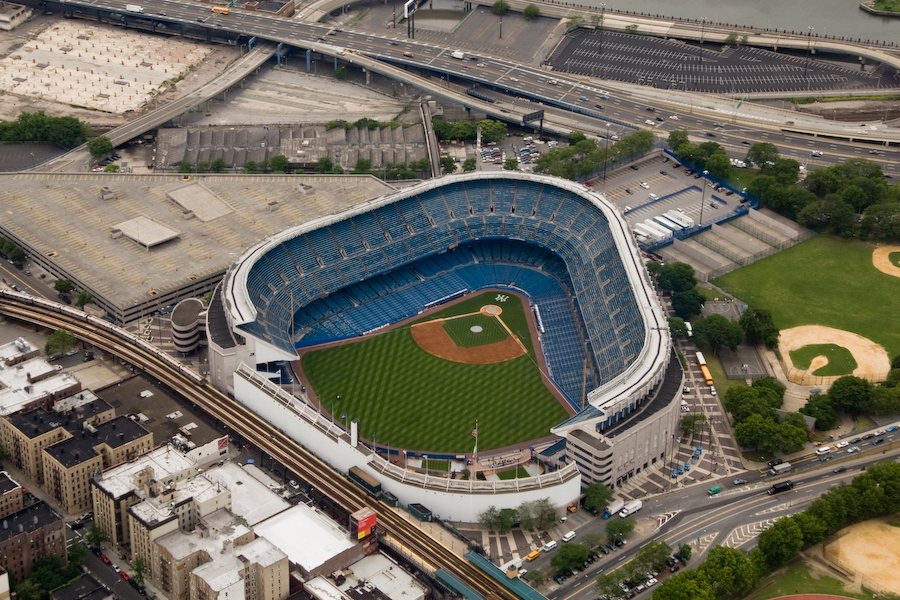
(380, 267)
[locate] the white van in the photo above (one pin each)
(569, 536)
(823, 450)
(549, 546)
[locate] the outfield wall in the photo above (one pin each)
(455, 500)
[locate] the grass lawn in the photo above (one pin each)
(517, 473)
(709, 294)
(823, 281)
(894, 257)
(722, 383)
(408, 398)
(487, 330)
(840, 361)
(797, 579)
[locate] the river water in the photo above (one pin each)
(826, 17)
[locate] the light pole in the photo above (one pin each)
(702, 26)
(703, 198)
(602, 12)
(606, 158)
(808, 55)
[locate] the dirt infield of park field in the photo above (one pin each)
(881, 260)
(871, 359)
(870, 549)
(434, 339)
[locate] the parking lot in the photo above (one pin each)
(672, 64)
(659, 185)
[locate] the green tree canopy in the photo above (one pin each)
(63, 286)
(619, 529)
(500, 7)
(448, 165)
(851, 394)
(84, 297)
(596, 496)
(729, 571)
(687, 304)
(677, 328)
(279, 164)
(469, 165)
(492, 131)
(780, 543)
(653, 555)
(100, 147)
(757, 432)
(818, 406)
(686, 585)
(531, 12)
(759, 328)
(764, 155)
(673, 277)
(717, 332)
(59, 342)
(570, 557)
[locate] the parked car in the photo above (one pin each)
(740, 481)
(105, 559)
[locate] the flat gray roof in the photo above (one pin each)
(66, 224)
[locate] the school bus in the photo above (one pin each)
(222, 10)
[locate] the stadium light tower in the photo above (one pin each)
(703, 198)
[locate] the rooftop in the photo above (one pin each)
(261, 551)
(162, 464)
(197, 489)
(84, 588)
(17, 347)
(67, 221)
(220, 529)
(16, 391)
(251, 498)
(28, 519)
(70, 413)
(321, 537)
(82, 448)
(7, 483)
(222, 572)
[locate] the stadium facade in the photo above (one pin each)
(564, 247)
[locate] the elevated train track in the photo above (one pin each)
(409, 538)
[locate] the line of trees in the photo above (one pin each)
(584, 156)
(852, 199)
(66, 132)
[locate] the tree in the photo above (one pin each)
(500, 7)
(84, 297)
(716, 332)
(111, 169)
(691, 423)
(591, 539)
(490, 517)
(63, 286)
(607, 584)
(511, 164)
(786, 171)
(818, 406)
(363, 166)
(886, 400)
(771, 384)
(673, 277)
(76, 553)
(95, 536)
(764, 155)
(491, 130)
(139, 570)
(596, 496)
(811, 527)
(780, 543)
(59, 342)
(677, 328)
(653, 555)
(448, 165)
(618, 529)
(526, 515)
(340, 72)
(29, 590)
(574, 23)
(677, 138)
(531, 12)
(757, 432)
(850, 394)
(719, 165)
(185, 167)
(100, 147)
(544, 514)
(570, 557)
(324, 165)
(251, 167)
(279, 164)
(508, 518)
(684, 553)
(687, 304)
(759, 328)
(469, 165)
(217, 165)
(534, 576)
(729, 571)
(687, 585)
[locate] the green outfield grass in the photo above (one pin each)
(894, 257)
(408, 398)
(840, 361)
(823, 281)
(460, 330)
(513, 314)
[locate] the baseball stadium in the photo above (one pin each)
(441, 267)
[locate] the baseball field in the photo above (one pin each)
(424, 385)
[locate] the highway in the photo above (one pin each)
(571, 102)
(732, 518)
(405, 537)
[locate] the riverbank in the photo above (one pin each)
(869, 7)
